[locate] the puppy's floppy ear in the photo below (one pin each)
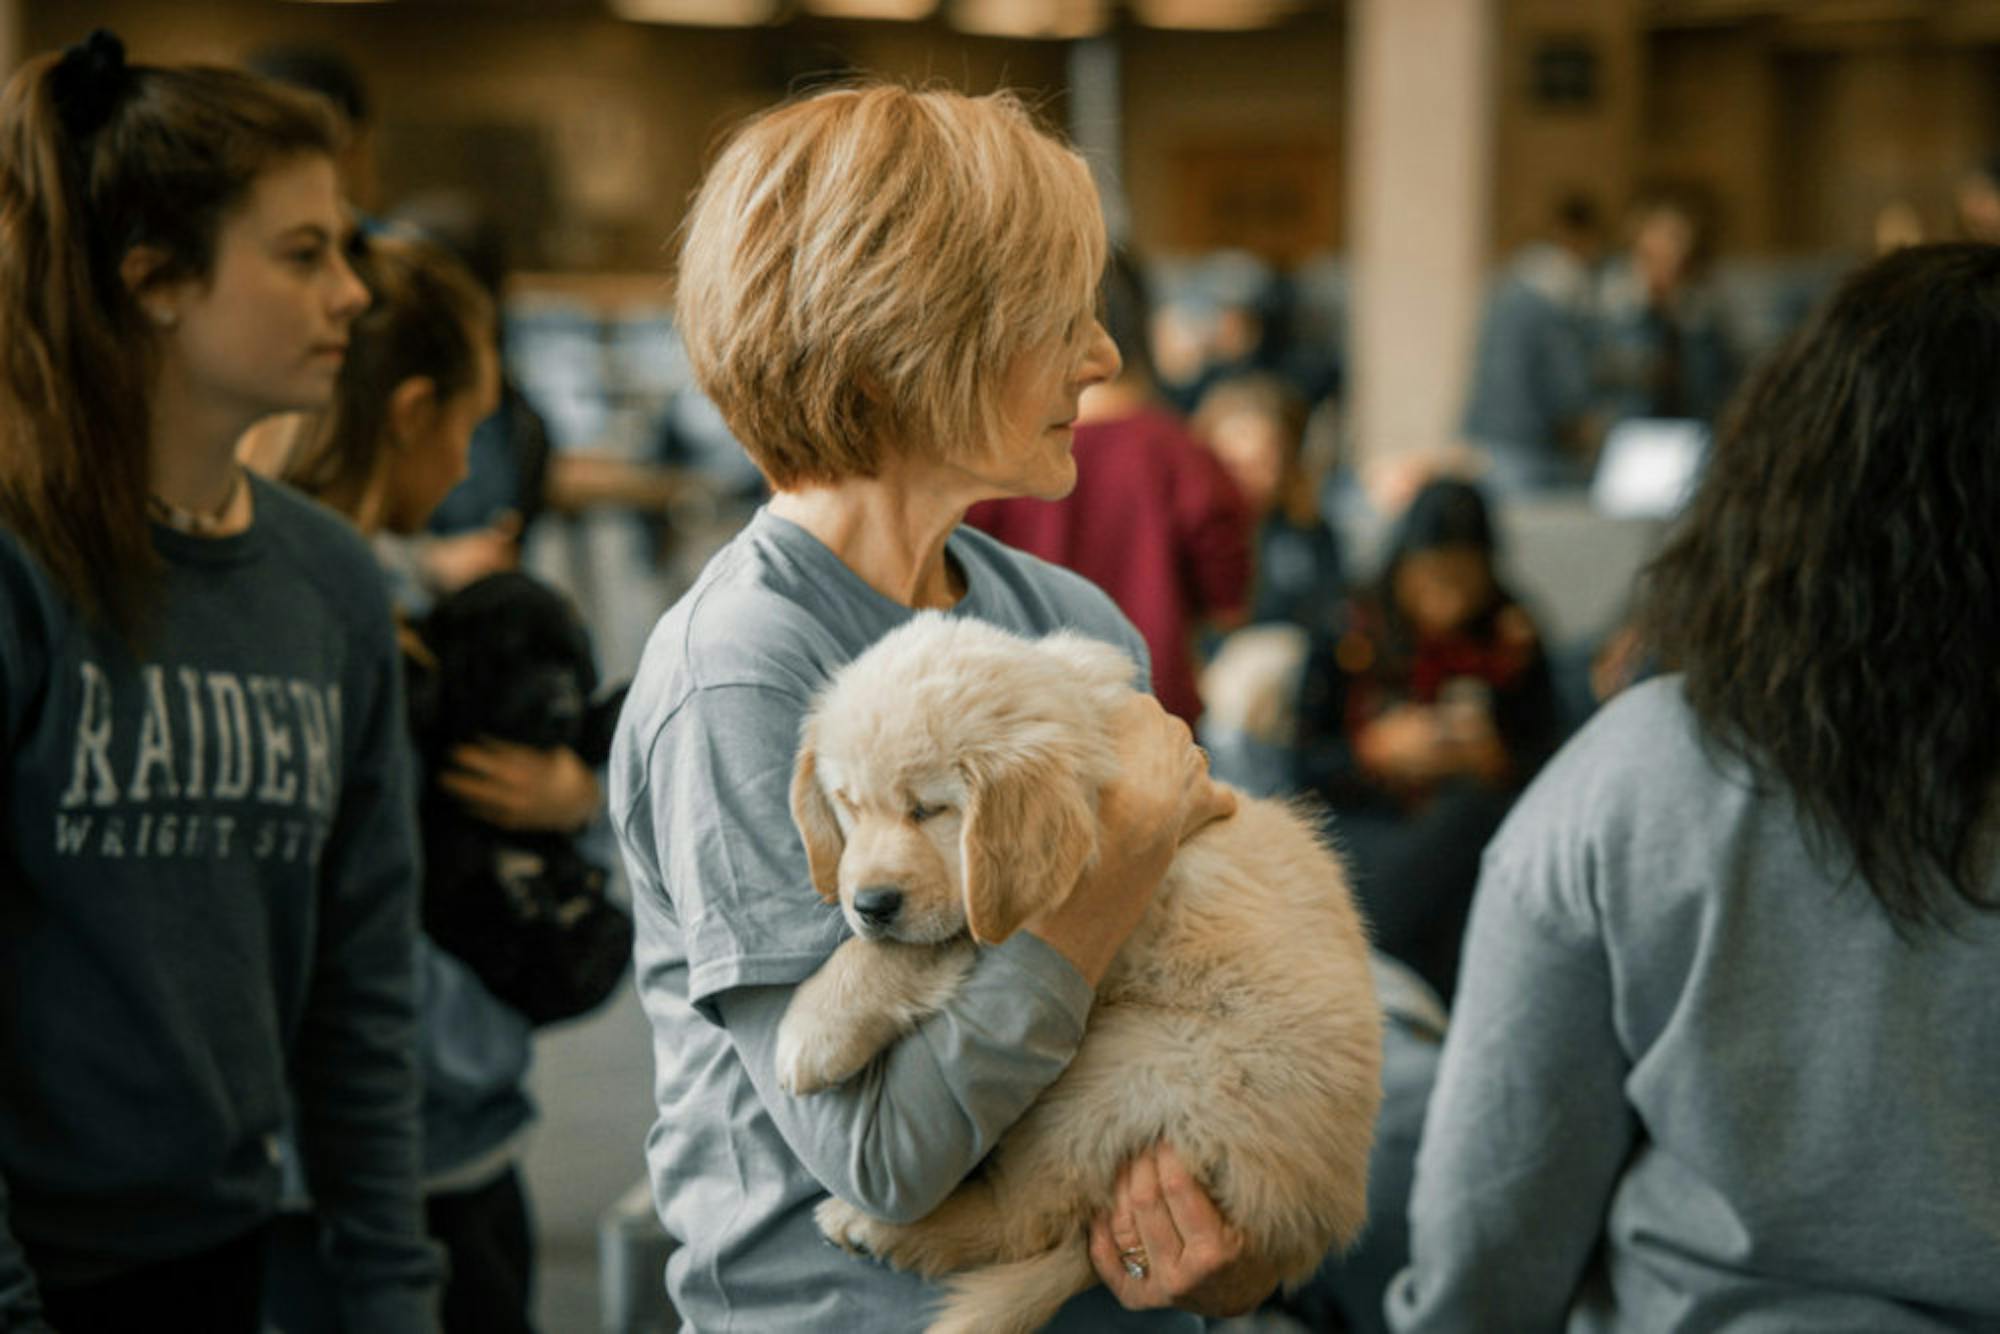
(818, 828)
(1029, 831)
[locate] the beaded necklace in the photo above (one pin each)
(188, 521)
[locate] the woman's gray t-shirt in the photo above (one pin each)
(729, 923)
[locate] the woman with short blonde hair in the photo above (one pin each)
(858, 264)
(890, 295)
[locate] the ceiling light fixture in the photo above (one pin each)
(1056, 20)
(1213, 15)
(900, 10)
(699, 13)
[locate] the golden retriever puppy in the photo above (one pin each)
(946, 790)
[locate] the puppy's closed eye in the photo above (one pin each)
(919, 812)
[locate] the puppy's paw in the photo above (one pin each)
(847, 1227)
(817, 1052)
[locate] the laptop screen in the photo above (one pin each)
(1648, 467)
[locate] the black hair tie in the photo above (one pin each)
(89, 81)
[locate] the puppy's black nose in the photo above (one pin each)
(878, 904)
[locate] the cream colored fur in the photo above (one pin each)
(959, 765)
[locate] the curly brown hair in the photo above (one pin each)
(1832, 595)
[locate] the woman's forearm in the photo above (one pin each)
(897, 1139)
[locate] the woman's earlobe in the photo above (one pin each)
(412, 404)
(140, 271)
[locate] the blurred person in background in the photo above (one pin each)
(1976, 201)
(483, 525)
(1217, 317)
(1723, 1054)
(1420, 718)
(1663, 347)
(1153, 518)
(1256, 425)
(1528, 410)
(208, 879)
(422, 373)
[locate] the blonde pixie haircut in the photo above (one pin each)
(863, 267)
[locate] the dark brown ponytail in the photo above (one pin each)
(97, 157)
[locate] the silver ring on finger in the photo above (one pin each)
(1134, 1260)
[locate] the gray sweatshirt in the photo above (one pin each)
(728, 925)
(207, 894)
(1693, 1082)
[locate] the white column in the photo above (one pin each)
(1421, 149)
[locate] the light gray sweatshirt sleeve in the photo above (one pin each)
(899, 1137)
(1527, 1128)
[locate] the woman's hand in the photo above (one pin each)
(1164, 1244)
(522, 787)
(1405, 745)
(1413, 745)
(1473, 747)
(450, 563)
(1161, 796)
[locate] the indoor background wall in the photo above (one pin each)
(587, 132)
(590, 132)
(1568, 89)
(1796, 121)
(1236, 138)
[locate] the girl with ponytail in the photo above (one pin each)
(207, 872)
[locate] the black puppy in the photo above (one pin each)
(525, 909)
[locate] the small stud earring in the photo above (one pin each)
(165, 319)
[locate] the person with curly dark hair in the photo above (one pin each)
(1724, 1052)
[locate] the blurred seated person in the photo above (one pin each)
(1256, 426)
(1528, 407)
(1226, 314)
(1663, 346)
(1420, 718)
(1976, 201)
(1154, 519)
